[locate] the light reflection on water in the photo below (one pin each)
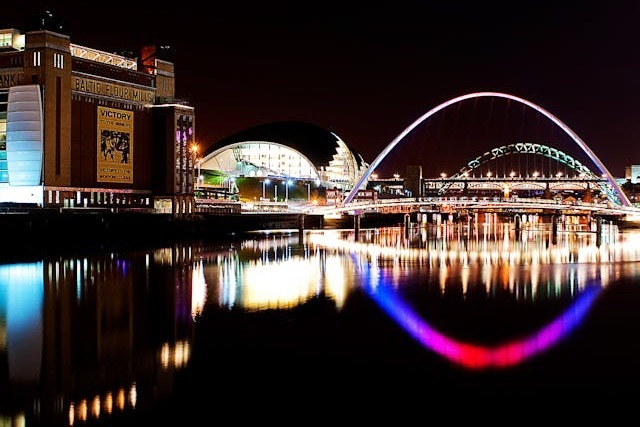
(269, 274)
(577, 264)
(107, 334)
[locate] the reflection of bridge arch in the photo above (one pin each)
(536, 149)
(602, 168)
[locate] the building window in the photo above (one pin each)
(6, 40)
(36, 59)
(58, 60)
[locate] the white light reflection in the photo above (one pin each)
(133, 395)
(484, 253)
(198, 289)
(335, 284)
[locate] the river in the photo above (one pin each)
(321, 326)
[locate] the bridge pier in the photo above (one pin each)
(356, 226)
(407, 225)
(301, 219)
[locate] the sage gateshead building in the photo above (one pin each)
(287, 150)
(81, 127)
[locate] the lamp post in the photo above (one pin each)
(308, 192)
(198, 161)
(275, 192)
(287, 183)
(264, 183)
(194, 156)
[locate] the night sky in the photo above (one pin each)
(367, 71)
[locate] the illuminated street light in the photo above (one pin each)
(264, 190)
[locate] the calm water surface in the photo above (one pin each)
(322, 327)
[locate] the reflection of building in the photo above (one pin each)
(84, 127)
(86, 338)
(288, 150)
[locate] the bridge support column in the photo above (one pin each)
(301, 219)
(599, 231)
(356, 225)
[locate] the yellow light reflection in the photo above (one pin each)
(165, 354)
(108, 403)
(95, 407)
(278, 284)
(82, 410)
(120, 399)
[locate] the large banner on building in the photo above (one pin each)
(115, 145)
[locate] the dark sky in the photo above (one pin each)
(367, 71)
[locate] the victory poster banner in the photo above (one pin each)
(115, 145)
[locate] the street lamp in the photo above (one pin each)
(264, 183)
(308, 192)
(275, 192)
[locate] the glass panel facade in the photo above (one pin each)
(4, 171)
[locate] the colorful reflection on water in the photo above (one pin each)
(536, 263)
(107, 334)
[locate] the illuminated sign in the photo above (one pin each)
(115, 145)
(113, 90)
(11, 78)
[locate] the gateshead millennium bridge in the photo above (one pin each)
(465, 189)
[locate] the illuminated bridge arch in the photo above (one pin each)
(527, 148)
(539, 150)
(621, 196)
